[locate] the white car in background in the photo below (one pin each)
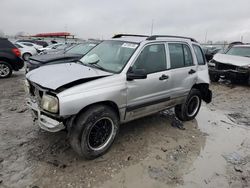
(30, 44)
(26, 51)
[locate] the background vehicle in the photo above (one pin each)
(30, 44)
(38, 42)
(26, 51)
(71, 54)
(121, 79)
(9, 58)
(210, 52)
(233, 65)
(53, 48)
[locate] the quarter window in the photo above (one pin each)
(199, 55)
(180, 55)
(152, 59)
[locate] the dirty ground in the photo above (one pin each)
(211, 151)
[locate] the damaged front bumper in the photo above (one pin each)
(45, 122)
(229, 74)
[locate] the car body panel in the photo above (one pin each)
(55, 76)
(232, 59)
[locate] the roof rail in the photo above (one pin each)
(128, 35)
(153, 37)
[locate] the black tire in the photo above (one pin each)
(248, 81)
(26, 56)
(214, 78)
(5, 69)
(87, 123)
(186, 112)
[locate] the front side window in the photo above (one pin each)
(152, 59)
(180, 55)
(110, 55)
(199, 55)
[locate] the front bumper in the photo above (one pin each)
(229, 74)
(45, 122)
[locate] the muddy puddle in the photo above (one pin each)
(204, 167)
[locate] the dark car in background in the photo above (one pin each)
(210, 52)
(72, 54)
(10, 58)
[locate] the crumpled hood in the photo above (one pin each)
(46, 58)
(55, 76)
(232, 59)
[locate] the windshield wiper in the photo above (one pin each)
(96, 65)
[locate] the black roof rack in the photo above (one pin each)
(153, 37)
(128, 35)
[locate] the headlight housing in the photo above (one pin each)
(50, 103)
(244, 68)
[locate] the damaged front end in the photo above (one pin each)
(228, 71)
(45, 112)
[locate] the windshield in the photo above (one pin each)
(239, 51)
(81, 48)
(110, 55)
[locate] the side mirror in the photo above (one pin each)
(136, 74)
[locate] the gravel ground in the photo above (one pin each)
(212, 151)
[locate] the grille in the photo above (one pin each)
(222, 66)
(36, 93)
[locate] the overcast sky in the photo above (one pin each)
(220, 19)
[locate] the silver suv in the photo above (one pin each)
(122, 79)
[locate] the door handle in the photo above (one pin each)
(192, 71)
(164, 77)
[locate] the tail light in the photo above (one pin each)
(16, 51)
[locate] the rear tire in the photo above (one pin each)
(26, 56)
(94, 131)
(5, 69)
(188, 110)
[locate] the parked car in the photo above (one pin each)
(26, 51)
(30, 44)
(53, 47)
(70, 55)
(121, 79)
(38, 42)
(233, 65)
(9, 58)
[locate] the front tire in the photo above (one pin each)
(5, 70)
(94, 131)
(188, 110)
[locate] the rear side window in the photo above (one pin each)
(180, 55)
(199, 55)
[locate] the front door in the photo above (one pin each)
(145, 96)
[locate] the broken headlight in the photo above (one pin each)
(50, 103)
(244, 68)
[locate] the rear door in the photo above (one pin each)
(183, 68)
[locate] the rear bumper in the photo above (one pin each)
(230, 74)
(17, 64)
(46, 123)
